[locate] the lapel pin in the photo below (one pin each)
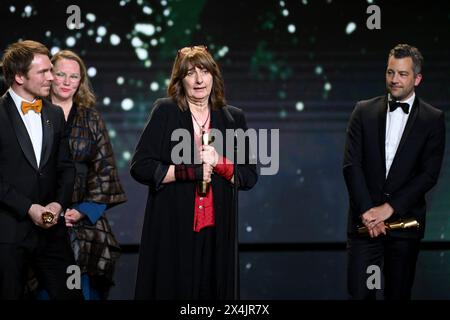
(47, 122)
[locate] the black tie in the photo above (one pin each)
(394, 105)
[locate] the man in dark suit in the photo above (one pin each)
(36, 177)
(393, 156)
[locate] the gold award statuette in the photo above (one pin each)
(47, 217)
(395, 225)
(203, 186)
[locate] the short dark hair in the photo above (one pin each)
(3, 86)
(404, 51)
(18, 57)
(197, 56)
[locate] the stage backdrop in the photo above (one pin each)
(297, 66)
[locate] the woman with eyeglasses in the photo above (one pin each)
(187, 244)
(97, 186)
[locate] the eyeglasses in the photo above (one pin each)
(186, 50)
(63, 76)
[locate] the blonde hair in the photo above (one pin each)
(84, 96)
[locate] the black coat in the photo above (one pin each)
(22, 183)
(166, 253)
(414, 170)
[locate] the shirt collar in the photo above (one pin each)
(409, 101)
(17, 99)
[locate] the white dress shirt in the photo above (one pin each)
(395, 125)
(33, 123)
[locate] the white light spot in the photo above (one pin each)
(299, 171)
(158, 29)
(291, 28)
(72, 26)
(127, 104)
(148, 63)
(101, 31)
(299, 106)
(147, 10)
(114, 39)
(285, 12)
(98, 39)
(166, 82)
(249, 229)
(166, 12)
(136, 42)
(154, 86)
(28, 10)
(122, 3)
(106, 101)
(223, 51)
(351, 26)
(90, 32)
(145, 28)
(12, 9)
(91, 71)
(54, 50)
(112, 133)
(248, 266)
(318, 70)
(141, 53)
(70, 41)
(90, 17)
(126, 155)
(120, 81)
(48, 33)
(305, 2)
(154, 42)
(282, 3)
(162, 40)
(327, 86)
(139, 2)
(163, 2)
(169, 23)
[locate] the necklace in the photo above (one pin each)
(202, 127)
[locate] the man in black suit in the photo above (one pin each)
(36, 177)
(393, 156)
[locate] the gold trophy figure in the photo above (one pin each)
(203, 186)
(47, 217)
(400, 224)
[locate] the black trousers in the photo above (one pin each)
(47, 252)
(396, 257)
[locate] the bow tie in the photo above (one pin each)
(394, 105)
(36, 106)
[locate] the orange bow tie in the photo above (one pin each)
(36, 106)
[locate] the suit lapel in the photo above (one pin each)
(382, 109)
(21, 132)
(47, 136)
(409, 125)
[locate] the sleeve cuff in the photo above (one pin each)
(92, 210)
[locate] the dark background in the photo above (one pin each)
(295, 66)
